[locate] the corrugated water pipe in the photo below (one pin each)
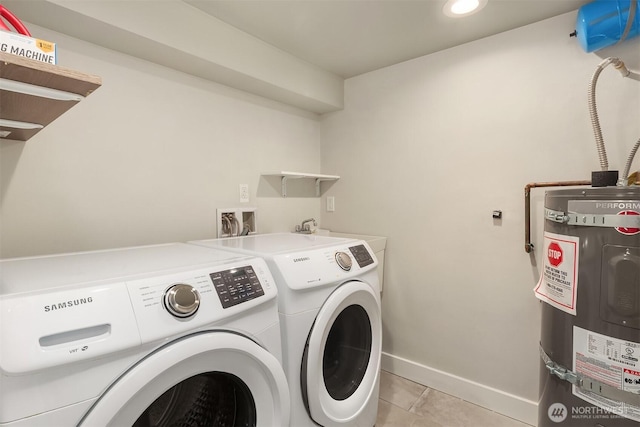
(626, 179)
(595, 120)
(593, 111)
(528, 246)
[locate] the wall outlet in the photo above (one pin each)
(244, 193)
(331, 204)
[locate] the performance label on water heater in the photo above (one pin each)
(558, 285)
(612, 208)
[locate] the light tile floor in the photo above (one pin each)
(404, 403)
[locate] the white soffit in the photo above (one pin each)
(177, 35)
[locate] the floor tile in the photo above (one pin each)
(451, 411)
(399, 391)
(390, 415)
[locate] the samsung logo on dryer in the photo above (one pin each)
(67, 304)
(306, 258)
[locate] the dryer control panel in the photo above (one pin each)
(362, 255)
(318, 267)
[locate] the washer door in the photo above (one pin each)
(341, 362)
(209, 378)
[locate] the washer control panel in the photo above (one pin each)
(168, 304)
(105, 313)
(236, 285)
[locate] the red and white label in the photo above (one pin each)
(628, 231)
(554, 253)
(558, 285)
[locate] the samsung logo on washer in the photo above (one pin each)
(67, 304)
(306, 258)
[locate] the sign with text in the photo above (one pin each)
(558, 285)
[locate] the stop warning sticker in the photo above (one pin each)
(558, 284)
(628, 231)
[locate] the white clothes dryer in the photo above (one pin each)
(329, 303)
(159, 335)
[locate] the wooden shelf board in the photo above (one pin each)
(33, 109)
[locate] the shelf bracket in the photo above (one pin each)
(286, 176)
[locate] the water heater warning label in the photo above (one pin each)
(558, 285)
(611, 361)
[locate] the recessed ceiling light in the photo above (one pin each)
(460, 8)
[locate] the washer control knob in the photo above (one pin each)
(344, 261)
(182, 300)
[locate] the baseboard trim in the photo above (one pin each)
(504, 403)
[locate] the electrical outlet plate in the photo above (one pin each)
(331, 204)
(244, 193)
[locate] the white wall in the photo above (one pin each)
(426, 150)
(147, 158)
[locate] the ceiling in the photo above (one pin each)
(351, 37)
(296, 52)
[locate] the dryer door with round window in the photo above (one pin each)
(341, 361)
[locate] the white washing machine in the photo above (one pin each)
(329, 303)
(158, 335)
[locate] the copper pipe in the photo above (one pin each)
(528, 246)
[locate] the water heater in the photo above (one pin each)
(590, 281)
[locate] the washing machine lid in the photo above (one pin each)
(203, 353)
(34, 274)
(341, 362)
(275, 243)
